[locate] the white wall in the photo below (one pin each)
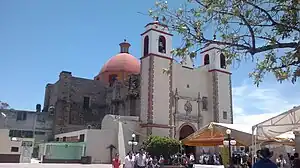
(189, 83)
(161, 96)
(145, 63)
(224, 97)
(6, 143)
(97, 143)
(130, 125)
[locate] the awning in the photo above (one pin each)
(213, 134)
(280, 125)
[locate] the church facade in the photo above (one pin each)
(176, 98)
(170, 98)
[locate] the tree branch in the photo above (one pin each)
(270, 17)
(274, 46)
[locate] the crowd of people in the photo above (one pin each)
(142, 159)
(262, 159)
(139, 160)
(210, 159)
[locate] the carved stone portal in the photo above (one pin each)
(187, 118)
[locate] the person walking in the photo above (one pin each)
(116, 161)
(296, 161)
(265, 161)
(161, 161)
(129, 161)
(280, 161)
(191, 160)
(155, 162)
(141, 159)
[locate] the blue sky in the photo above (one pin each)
(39, 39)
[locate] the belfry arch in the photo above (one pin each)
(146, 46)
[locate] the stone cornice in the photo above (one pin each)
(188, 98)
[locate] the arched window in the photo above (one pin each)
(146, 46)
(162, 44)
(112, 78)
(206, 59)
(222, 61)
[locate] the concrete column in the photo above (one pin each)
(297, 141)
(83, 150)
(45, 149)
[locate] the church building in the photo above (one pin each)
(165, 97)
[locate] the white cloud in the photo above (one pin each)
(252, 105)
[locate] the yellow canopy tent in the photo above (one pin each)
(213, 134)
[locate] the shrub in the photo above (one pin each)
(165, 146)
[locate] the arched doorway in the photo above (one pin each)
(184, 132)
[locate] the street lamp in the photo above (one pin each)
(132, 143)
(229, 141)
(5, 119)
(3, 114)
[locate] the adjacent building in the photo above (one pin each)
(13, 149)
(27, 124)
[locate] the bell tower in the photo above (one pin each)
(213, 58)
(219, 80)
(156, 40)
(156, 80)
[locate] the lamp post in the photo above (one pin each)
(229, 141)
(132, 143)
(180, 148)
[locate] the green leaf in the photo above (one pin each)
(236, 22)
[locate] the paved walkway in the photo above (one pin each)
(38, 165)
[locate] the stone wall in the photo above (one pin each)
(67, 97)
(124, 98)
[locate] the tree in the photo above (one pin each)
(4, 105)
(165, 146)
(245, 28)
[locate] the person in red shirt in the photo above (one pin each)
(116, 161)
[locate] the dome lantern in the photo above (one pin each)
(124, 47)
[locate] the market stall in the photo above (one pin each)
(213, 135)
(278, 129)
(279, 126)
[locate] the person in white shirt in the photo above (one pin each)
(161, 161)
(149, 161)
(129, 161)
(201, 159)
(141, 159)
(281, 162)
(191, 160)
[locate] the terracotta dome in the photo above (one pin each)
(120, 66)
(122, 62)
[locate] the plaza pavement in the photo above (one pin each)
(38, 165)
